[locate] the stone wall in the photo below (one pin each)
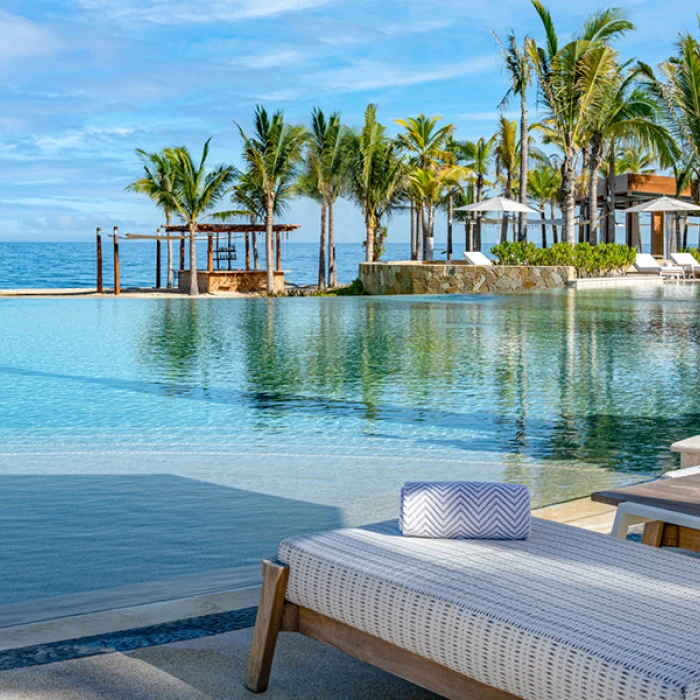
(232, 281)
(437, 277)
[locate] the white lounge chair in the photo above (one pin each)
(568, 613)
(477, 258)
(687, 262)
(630, 513)
(646, 264)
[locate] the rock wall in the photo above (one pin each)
(458, 278)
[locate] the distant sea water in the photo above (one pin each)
(63, 265)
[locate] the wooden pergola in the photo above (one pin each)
(629, 190)
(248, 278)
(213, 229)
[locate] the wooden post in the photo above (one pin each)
(117, 289)
(279, 251)
(210, 253)
(182, 252)
(247, 251)
(267, 626)
(99, 260)
(158, 261)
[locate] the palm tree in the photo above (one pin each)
(519, 65)
(477, 156)
(506, 153)
(567, 98)
(273, 153)
(625, 111)
(678, 94)
(157, 183)
(376, 174)
(195, 193)
(544, 183)
(326, 167)
(427, 147)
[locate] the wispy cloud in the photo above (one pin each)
(21, 38)
(488, 116)
(372, 75)
(197, 11)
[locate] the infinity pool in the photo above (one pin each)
(143, 439)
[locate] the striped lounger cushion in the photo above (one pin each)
(566, 615)
(470, 510)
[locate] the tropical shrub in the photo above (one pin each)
(589, 261)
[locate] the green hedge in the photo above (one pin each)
(589, 261)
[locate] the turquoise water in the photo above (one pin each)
(142, 439)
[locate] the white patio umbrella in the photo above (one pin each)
(499, 204)
(502, 204)
(663, 205)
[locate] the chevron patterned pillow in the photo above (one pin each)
(469, 510)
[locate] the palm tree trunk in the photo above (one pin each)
(419, 235)
(194, 282)
(369, 252)
(168, 219)
(593, 176)
(430, 239)
(568, 198)
(269, 252)
(505, 220)
(256, 256)
(524, 154)
(555, 231)
(450, 207)
(414, 231)
(610, 197)
(322, 248)
(332, 271)
(544, 226)
(425, 230)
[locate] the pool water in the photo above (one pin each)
(142, 439)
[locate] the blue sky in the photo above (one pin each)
(85, 82)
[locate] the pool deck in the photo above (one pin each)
(210, 667)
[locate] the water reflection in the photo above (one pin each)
(596, 377)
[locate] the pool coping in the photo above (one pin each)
(106, 611)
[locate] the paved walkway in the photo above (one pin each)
(211, 668)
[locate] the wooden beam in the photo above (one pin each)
(247, 251)
(117, 289)
(267, 626)
(657, 234)
(278, 265)
(182, 254)
(653, 534)
(158, 255)
(99, 260)
(232, 228)
(400, 662)
(210, 254)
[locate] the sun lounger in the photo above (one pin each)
(476, 258)
(566, 615)
(646, 264)
(689, 264)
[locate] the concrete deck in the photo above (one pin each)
(209, 668)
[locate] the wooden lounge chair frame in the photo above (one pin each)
(276, 614)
